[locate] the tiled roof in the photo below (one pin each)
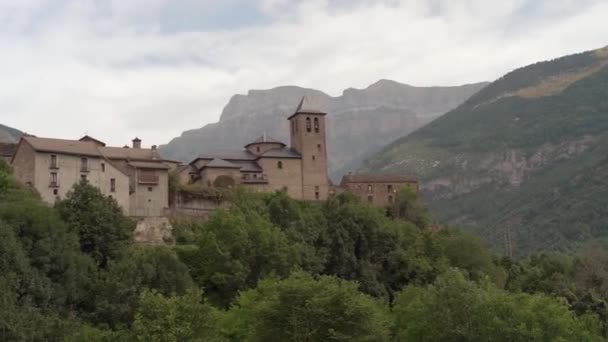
(221, 164)
(377, 179)
(285, 152)
(7, 149)
(129, 153)
(90, 138)
(84, 148)
(92, 149)
(149, 165)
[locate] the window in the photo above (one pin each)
(389, 188)
(390, 199)
(54, 179)
(83, 178)
(314, 158)
(103, 167)
(316, 125)
(258, 149)
(319, 147)
(150, 189)
(370, 188)
(280, 164)
(316, 195)
(84, 164)
(370, 199)
(255, 175)
(113, 185)
(53, 161)
(55, 192)
(308, 128)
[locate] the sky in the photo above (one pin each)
(115, 69)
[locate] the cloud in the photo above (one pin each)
(117, 69)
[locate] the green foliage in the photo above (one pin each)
(454, 309)
(104, 232)
(174, 319)
(533, 166)
(147, 267)
(407, 207)
(234, 249)
(301, 308)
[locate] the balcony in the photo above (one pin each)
(53, 184)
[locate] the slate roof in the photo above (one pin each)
(285, 152)
(221, 164)
(306, 107)
(247, 165)
(149, 165)
(377, 179)
(230, 155)
(264, 139)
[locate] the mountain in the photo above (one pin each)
(360, 121)
(9, 135)
(524, 162)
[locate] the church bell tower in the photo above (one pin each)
(307, 126)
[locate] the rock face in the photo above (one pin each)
(9, 135)
(524, 161)
(360, 121)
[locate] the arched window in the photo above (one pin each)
(308, 128)
(316, 125)
(280, 164)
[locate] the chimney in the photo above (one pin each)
(136, 143)
(155, 154)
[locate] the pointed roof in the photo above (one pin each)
(306, 107)
(90, 138)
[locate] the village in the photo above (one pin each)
(138, 178)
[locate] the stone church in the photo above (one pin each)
(267, 164)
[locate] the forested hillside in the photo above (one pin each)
(274, 269)
(523, 162)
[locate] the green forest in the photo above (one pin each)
(271, 268)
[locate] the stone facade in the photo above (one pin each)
(270, 165)
(377, 190)
(135, 177)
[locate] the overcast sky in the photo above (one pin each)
(154, 68)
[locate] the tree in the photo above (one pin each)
(455, 309)
(173, 319)
(143, 268)
(104, 232)
(407, 207)
(233, 250)
(302, 308)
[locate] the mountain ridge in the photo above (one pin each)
(504, 167)
(360, 122)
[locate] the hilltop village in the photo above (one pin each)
(138, 178)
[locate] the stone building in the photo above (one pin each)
(269, 165)
(377, 190)
(136, 177)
